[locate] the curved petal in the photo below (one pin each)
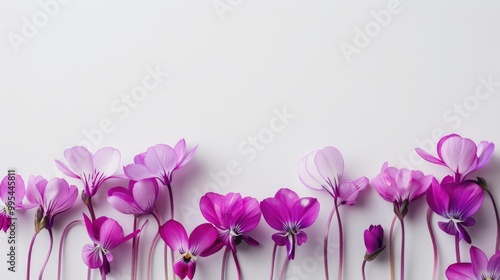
(231, 208)
(428, 157)
(301, 237)
(65, 170)
(371, 242)
(218, 244)
(250, 241)
(305, 164)
(463, 234)
(145, 193)
(250, 217)
(174, 234)
(91, 256)
(438, 198)
(349, 190)
(19, 186)
(181, 268)
(479, 261)
(384, 183)
(305, 211)
(161, 159)
(111, 234)
(90, 229)
(138, 172)
(330, 164)
(80, 160)
(484, 153)
(191, 269)
(182, 157)
(494, 264)
(210, 205)
(107, 160)
(67, 200)
(448, 227)
(460, 271)
(459, 154)
(202, 238)
(467, 198)
(275, 213)
(287, 197)
(121, 199)
(280, 238)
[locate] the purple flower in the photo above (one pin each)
(460, 155)
(456, 202)
(374, 241)
(92, 170)
(199, 243)
(401, 186)
(232, 215)
(106, 234)
(159, 162)
(289, 214)
(11, 196)
(138, 199)
(323, 170)
(52, 198)
(478, 269)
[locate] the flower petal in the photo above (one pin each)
(494, 264)
(371, 242)
(210, 208)
(91, 256)
(467, 198)
(145, 193)
(202, 238)
(428, 157)
(287, 197)
(460, 271)
(484, 153)
(174, 234)
(459, 154)
(65, 170)
(191, 269)
(250, 217)
(138, 172)
(275, 213)
(438, 198)
(304, 212)
(448, 227)
(330, 164)
(107, 160)
(80, 160)
(479, 261)
(306, 177)
(301, 237)
(121, 199)
(181, 268)
(111, 234)
(161, 159)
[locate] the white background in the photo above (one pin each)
(229, 73)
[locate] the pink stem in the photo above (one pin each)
(273, 259)
(341, 241)
(497, 243)
(151, 250)
(391, 251)
(171, 198)
(29, 255)
(237, 263)
(51, 237)
(363, 269)
(89, 273)
(457, 248)
(434, 244)
(325, 242)
(224, 264)
(283, 269)
(134, 252)
(63, 237)
(402, 249)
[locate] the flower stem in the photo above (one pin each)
(134, 251)
(402, 249)
(29, 255)
(341, 240)
(237, 263)
(91, 210)
(497, 243)
(89, 273)
(171, 198)
(137, 249)
(224, 264)
(391, 250)
(363, 269)
(434, 244)
(457, 248)
(283, 269)
(61, 243)
(325, 242)
(51, 243)
(151, 250)
(273, 259)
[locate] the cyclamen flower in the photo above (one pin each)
(199, 244)
(401, 186)
(374, 241)
(480, 268)
(52, 198)
(10, 199)
(460, 155)
(92, 170)
(232, 215)
(106, 234)
(159, 162)
(138, 199)
(289, 214)
(323, 170)
(457, 202)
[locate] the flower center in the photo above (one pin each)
(187, 257)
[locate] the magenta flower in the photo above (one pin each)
(159, 162)
(92, 170)
(232, 215)
(460, 155)
(289, 214)
(138, 199)
(457, 202)
(52, 198)
(374, 241)
(323, 170)
(401, 186)
(106, 234)
(480, 268)
(199, 243)
(11, 197)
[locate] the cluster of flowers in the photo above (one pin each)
(231, 217)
